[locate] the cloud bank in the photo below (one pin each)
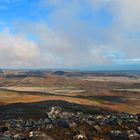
(76, 33)
(17, 50)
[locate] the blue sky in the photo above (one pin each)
(71, 34)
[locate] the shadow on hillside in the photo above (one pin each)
(112, 99)
(37, 109)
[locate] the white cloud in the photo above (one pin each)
(17, 51)
(64, 40)
(129, 14)
(66, 50)
(125, 12)
(123, 34)
(71, 42)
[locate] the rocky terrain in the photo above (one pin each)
(72, 105)
(59, 124)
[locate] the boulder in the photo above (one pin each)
(38, 135)
(138, 130)
(5, 138)
(3, 129)
(118, 135)
(80, 136)
(55, 112)
(72, 125)
(62, 123)
(98, 129)
(20, 137)
(133, 135)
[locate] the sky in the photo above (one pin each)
(70, 34)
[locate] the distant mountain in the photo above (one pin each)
(59, 73)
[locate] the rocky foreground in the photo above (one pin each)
(61, 125)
